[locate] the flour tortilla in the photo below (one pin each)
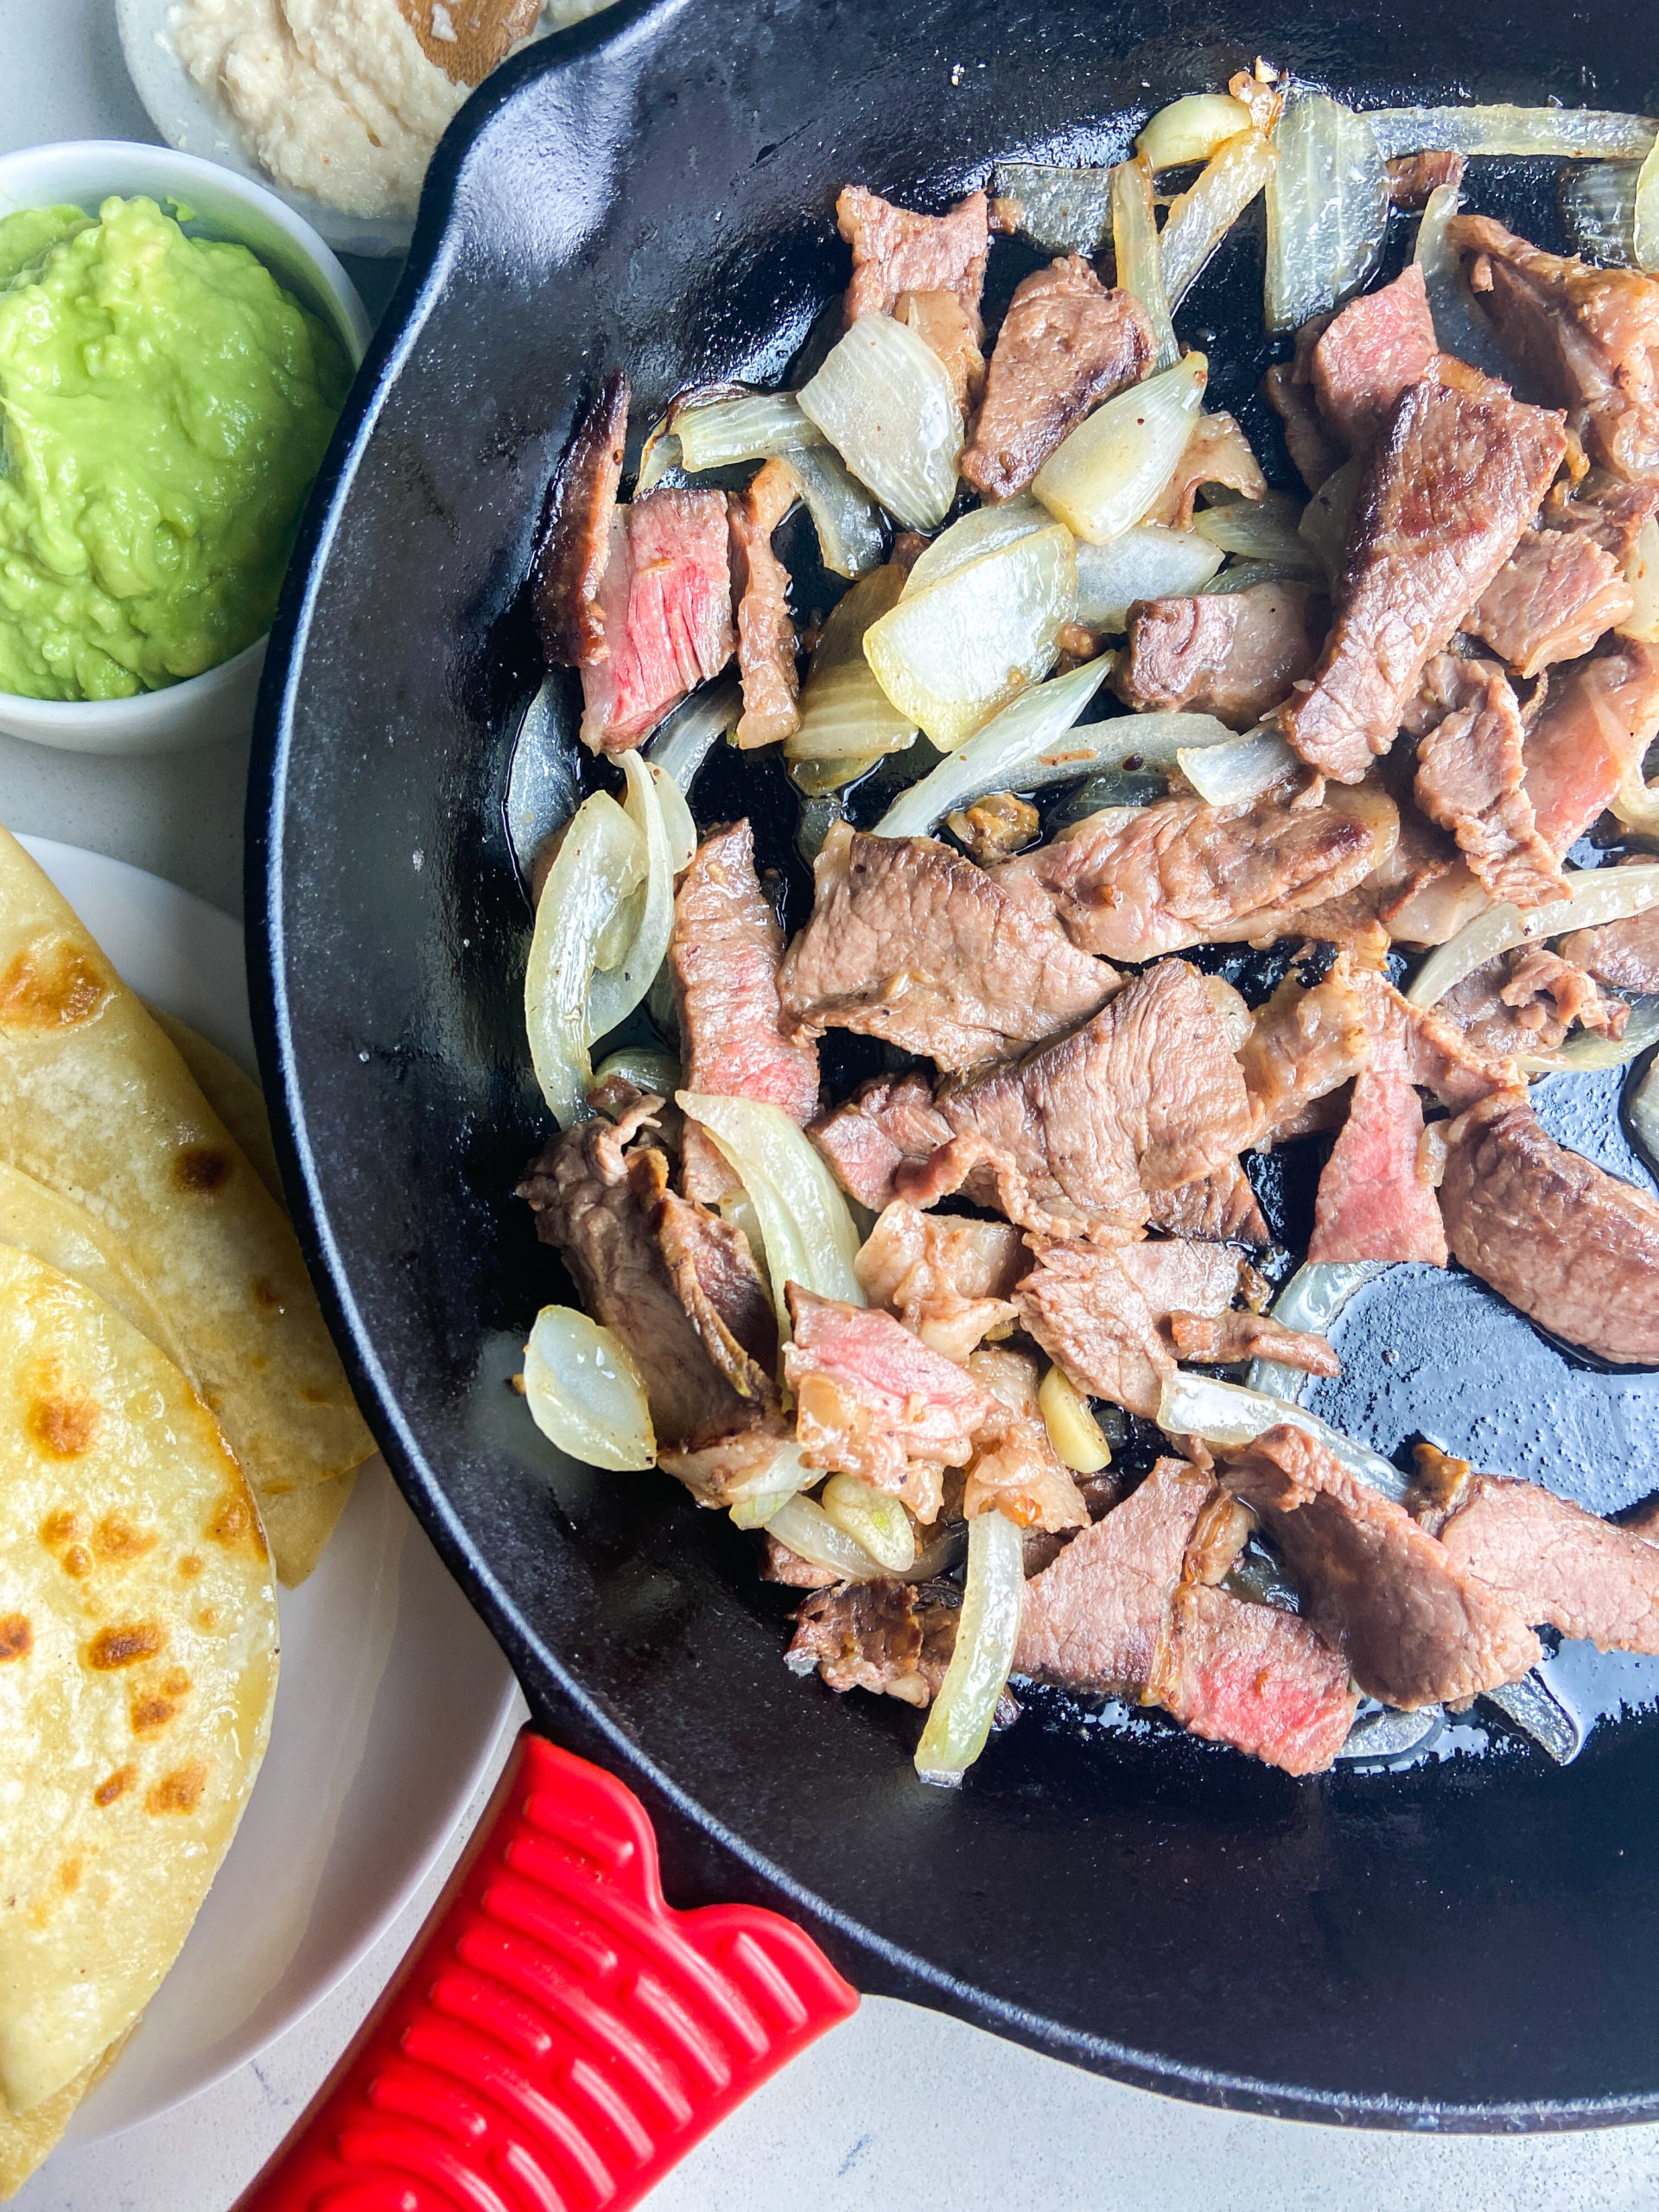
(137, 1666)
(298, 1526)
(25, 2139)
(96, 1104)
(235, 1098)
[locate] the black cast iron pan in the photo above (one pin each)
(1467, 1943)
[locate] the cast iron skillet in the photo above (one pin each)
(1466, 1944)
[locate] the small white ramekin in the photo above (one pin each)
(218, 703)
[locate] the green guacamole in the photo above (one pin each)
(165, 406)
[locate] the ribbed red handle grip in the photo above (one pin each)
(561, 2037)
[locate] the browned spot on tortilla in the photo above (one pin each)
(178, 1792)
(268, 1295)
(208, 1618)
(118, 1538)
(115, 1785)
(125, 1646)
(201, 1169)
(64, 1525)
(314, 1397)
(189, 1567)
(258, 1362)
(232, 1518)
(78, 1562)
(17, 1638)
(150, 1714)
(69, 1876)
(64, 1421)
(52, 984)
(175, 1682)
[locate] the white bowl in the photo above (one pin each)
(218, 703)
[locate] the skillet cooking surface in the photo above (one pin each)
(1465, 1944)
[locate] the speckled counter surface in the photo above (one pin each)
(898, 2106)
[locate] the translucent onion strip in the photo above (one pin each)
(757, 1498)
(1566, 133)
(1260, 530)
(1601, 894)
(1310, 1300)
(643, 1066)
(807, 1530)
(872, 1518)
(619, 988)
(1148, 561)
(1061, 210)
(677, 819)
(1191, 129)
(851, 537)
(659, 459)
(1231, 775)
(808, 1233)
(1225, 1413)
(1201, 218)
(982, 529)
(1641, 574)
(1327, 209)
(1642, 1104)
(1008, 754)
(682, 745)
(846, 716)
(1326, 517)
(987, 1628)
(584, 1392)
(751, 426)
(1107, 473)
(885, 401)
(599, 864)
(1140, 262)
(1590, 1054)
(1460, 325)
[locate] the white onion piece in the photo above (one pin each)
(1461, 326)
(682, 744)
(1641, 574)
(1310, 1300)
(1244, 575)
(1568, 133)
(1201, 218)
(1008, 754)
(1589, 1054)
(1061, 210)
(885, 401)
(677, 820)
(659, 459)
(874, 1518)
(751, 426)
(1147, 562)
(643, 1065)
(1597, 895)
(597, 867)
(987, 1628)
(1139, 262)
(619, 988)
(846, 716)
(808, 1234)
(949, 658)
(1225, 1413)
(1646, 229)
(982, 529)
(1107, 473)
(1230, 775)
(1076, 1437)
(1191, 129)
(851, 538)
(1260, 530)
(1326, 517)
(1327, 209)
(807, 1530)
(757, 1498)
(584, 1392)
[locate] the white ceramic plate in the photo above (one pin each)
(392, 1696)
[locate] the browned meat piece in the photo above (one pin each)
(1470, 769)
(664, 609)
(996, 827)
(942, 323)
(1526, 1000)
(1132, 882)
(1220, 1206)
(1181, 1273)
(1554, 598)
(780, 1564)
(1370, 354)
(729, 1467)
(1550, 1560)
(1226, 1339)
(1225, 1528)
(1415, 1628)
(1231, 654)
(1599, 717)
(1420, 1044)
(1090, 1316)
(892, 1637)
(1218, 452)
(1624, 955)
(947, 1278)
(1315, 451)
(723, 956)
(1092, 1621)
(1066, 343)
(575, 543)
(1014, 1468)
(1304, 1045)
(1452, 486)
(872, 1400)
(766, 636)
(1584, 336)
(1251, 1676)
(1374, 1202)
(1536, 973)
(1612, 517)
(912, 943)
(1573, 1248)
(868, 1137)
(677, 1285)
(895, 250)
(1411, 177)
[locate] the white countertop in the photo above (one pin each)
(899, 2104)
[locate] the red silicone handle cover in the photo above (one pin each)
(561, 2037)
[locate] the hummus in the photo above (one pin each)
(165, 407)
(346, 98)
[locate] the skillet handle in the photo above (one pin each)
(560, 2036)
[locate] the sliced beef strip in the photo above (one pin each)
(1551, 1561)
(1613, 516)
(1585, 337)
(1305, 1042)
(1452, 485)
(665, 607)
(1066, 344)
(1471, 780)
(911, 943)
(1557, 593)
(723, 956)
(637, 1253)
(766, 635)
(1374, 1202)
(1180, 1274)
(1218, 452)
(1415, 1629)
(1249, 1675)
(1231, 654)
(894, 1639)
(1221, 1206)
(1315, 451)
(1421, 1045)
(1411, 177)
(947, 328)
(947, 1278)
(1228, 1339)
(1129, 883)
(1599, 717)
(1572, 1247)
(1623, 955)
(1015, 1469)
(895, 250)
(780, 1564)
(886, 1123)
(1370, 354)
(1093, 1320)
(575, 543)
(872, 1400)
(1526, 1000)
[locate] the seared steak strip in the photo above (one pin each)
(1264, 1681)
(1231, 654)
(1527, 1000)
(575, 544)
(1221, 1206)
(1624, 955)
(1374, 1201)
(766, 636)
(1227, 1340)
(895, 250)
(1368, 356)
(1550, 1560)
(1470, 769)
(1557, 593)
(894, 1639)
(665, 607)
(1599, 717)
(1092, 1319)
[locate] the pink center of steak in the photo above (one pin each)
(665, 610)
(1374, 1202)
(1370, 354)
(1264, 1681)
